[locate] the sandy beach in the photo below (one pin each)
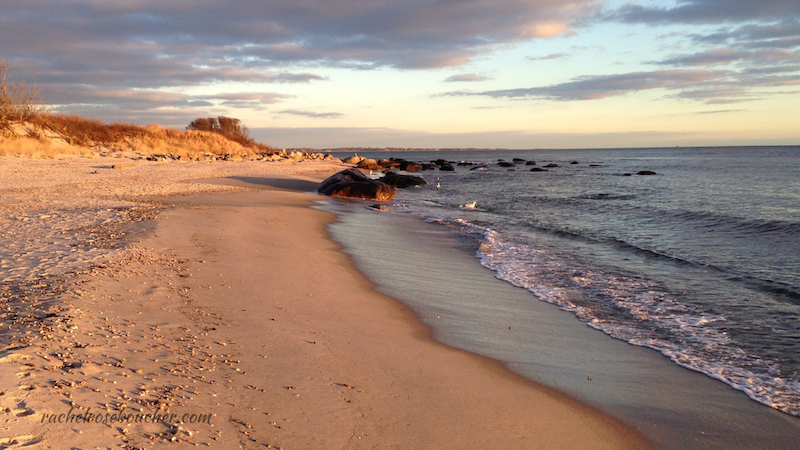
(205, 305)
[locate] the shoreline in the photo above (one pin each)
(437, 275)
(277, 360)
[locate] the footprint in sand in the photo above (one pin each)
(25, 440)
(22, 410)
(13, 357)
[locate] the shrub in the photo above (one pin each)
(18, 101)
(231, 128)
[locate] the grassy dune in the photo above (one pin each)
(47, 135)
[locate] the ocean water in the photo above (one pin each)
(700, 262)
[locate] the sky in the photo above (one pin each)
(423, 73)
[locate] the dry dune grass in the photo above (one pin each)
(37, 148)
(49, 134)
(157, 140)
(27, 128)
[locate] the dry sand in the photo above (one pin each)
(234, 319)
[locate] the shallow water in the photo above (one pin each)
(700, 262)
(436, 273)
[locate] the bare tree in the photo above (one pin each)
(19, 101)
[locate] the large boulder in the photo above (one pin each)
(355, 159)
(369, 164)
(353, 183)
(402, 181)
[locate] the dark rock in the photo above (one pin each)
(389, 164)
(344, 175)
(71, 365)
(626, 174)
(353, 183)
(369, 190)
(574, 162)
(441, 162)
(519, 161)
(594, 165)
(505, 164)
(402, 181)
(538, 169)
(409, 166)
(646, 172)
(428, 166)
(482, 166)
(552, 165)
(447, 168)
(530, 163)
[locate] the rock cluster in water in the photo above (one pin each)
(353, 183)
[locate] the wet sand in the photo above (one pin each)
(236, 315)
(437, 274)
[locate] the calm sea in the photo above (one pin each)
(700, 262)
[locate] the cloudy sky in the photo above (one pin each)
(424, 73)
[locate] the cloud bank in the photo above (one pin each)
(75, 47)
(754, 52)
(134, 60)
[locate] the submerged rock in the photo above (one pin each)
(353, 183)
(410, 166)
(402, 181)
(645, 172)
